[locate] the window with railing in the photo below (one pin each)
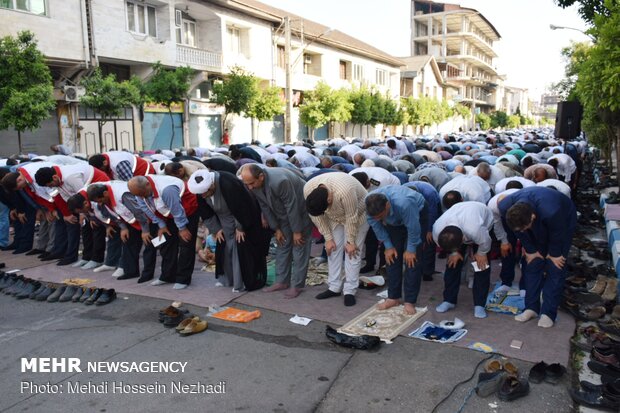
(31, 6)
(141, 18)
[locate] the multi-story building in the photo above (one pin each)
(126, 37)
(462, 39)
(516, 100)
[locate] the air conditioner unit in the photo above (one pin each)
(73, 93)
(308, 59)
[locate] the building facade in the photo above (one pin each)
(125, 37)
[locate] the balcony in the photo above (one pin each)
(199, 58)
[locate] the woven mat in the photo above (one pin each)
(385, 324)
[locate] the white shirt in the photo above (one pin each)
(474, 219)
(566, 165)
(471, 188)
(557, 184)
(501, 185)
(378, 177)
(496, 175)
(498, 227)
(401, 148)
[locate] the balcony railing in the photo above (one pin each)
(198, 57)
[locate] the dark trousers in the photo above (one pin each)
(452, 282)
(60, 237)
(428, 258)
(70, 232)
(542, 275)
(179, 256)
(131, 256)
(24, 233)
(372, 247)
(93, 241)
(114, 249)
(412, 275)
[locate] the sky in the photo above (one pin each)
(529, 52)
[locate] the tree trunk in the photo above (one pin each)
(19, 141)
(100, 130)
(617, 155)
(172, 126)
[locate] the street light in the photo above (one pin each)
(554, 27)
(288, 92)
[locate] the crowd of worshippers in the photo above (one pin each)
(398, 200)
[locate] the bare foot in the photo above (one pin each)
(389, 303)
(275, 287)
(409, 309)
(292, 292)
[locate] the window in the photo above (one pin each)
(358, 72)
(234, 40)
(185, 29)
(32, 6)
(343, 70)
(281, 57)
(381, 76)
(142, 19)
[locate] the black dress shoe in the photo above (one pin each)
(144, 278)
(38, 291)
(538, 372)
(9, 281)
(53, 297)
(596, 399)
(35, 252)
(20, 251)
(554, 373)
(93, 297)
(175, 320)
(29, 289)
(43, 255)
(9, 247)
(106, 297)
(52, 257)
(127, 277)
(78, 294)
(604, 369)
(367, 268)
(349, 300)
(327, 294)
(513, 388)
(24, 286)
(68, 294)
(87, 293)
(42, 296)
(12, 290)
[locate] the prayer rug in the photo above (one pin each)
(385, 324)
(432, 332)
(505, 302)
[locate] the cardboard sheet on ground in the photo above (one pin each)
(385, 324)
(237, 315)
(511, 303)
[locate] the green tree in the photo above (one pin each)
(588, 9)
(377, 109)
(361, 111)
(499, 119)
(311, 114)
(484, 121)
(107, 97)
(462, 111)
(392, 114)
(573, 56)
(26, 88)
(168, 86)
(513, 121)
(237, 92)
(266, 105)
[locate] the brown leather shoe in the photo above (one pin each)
(194, 327)
(185, 323)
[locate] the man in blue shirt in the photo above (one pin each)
(398, 217)
(544, 221)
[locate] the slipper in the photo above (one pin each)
(510, 368)
(194, 327)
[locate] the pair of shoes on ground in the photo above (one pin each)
(86, 295)
(185, 323)
(550, 373)
(606, 287)
(502, 378)
(191, 325)
(349, 299)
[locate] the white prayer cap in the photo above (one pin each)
(160, 166)
(168, 153)
(200, 181)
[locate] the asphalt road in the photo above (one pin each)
(268, 365)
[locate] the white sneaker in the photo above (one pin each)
(103, 268)
(179, 286)
(119, 271)
(158, 282)
(218, 284)
(79, 263)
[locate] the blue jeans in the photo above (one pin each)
(542, 275)
(452, 282)
(4, 225)
(412, 275)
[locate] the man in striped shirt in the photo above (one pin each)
(336, 206)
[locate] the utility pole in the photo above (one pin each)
(473, 109)
(288, 92)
